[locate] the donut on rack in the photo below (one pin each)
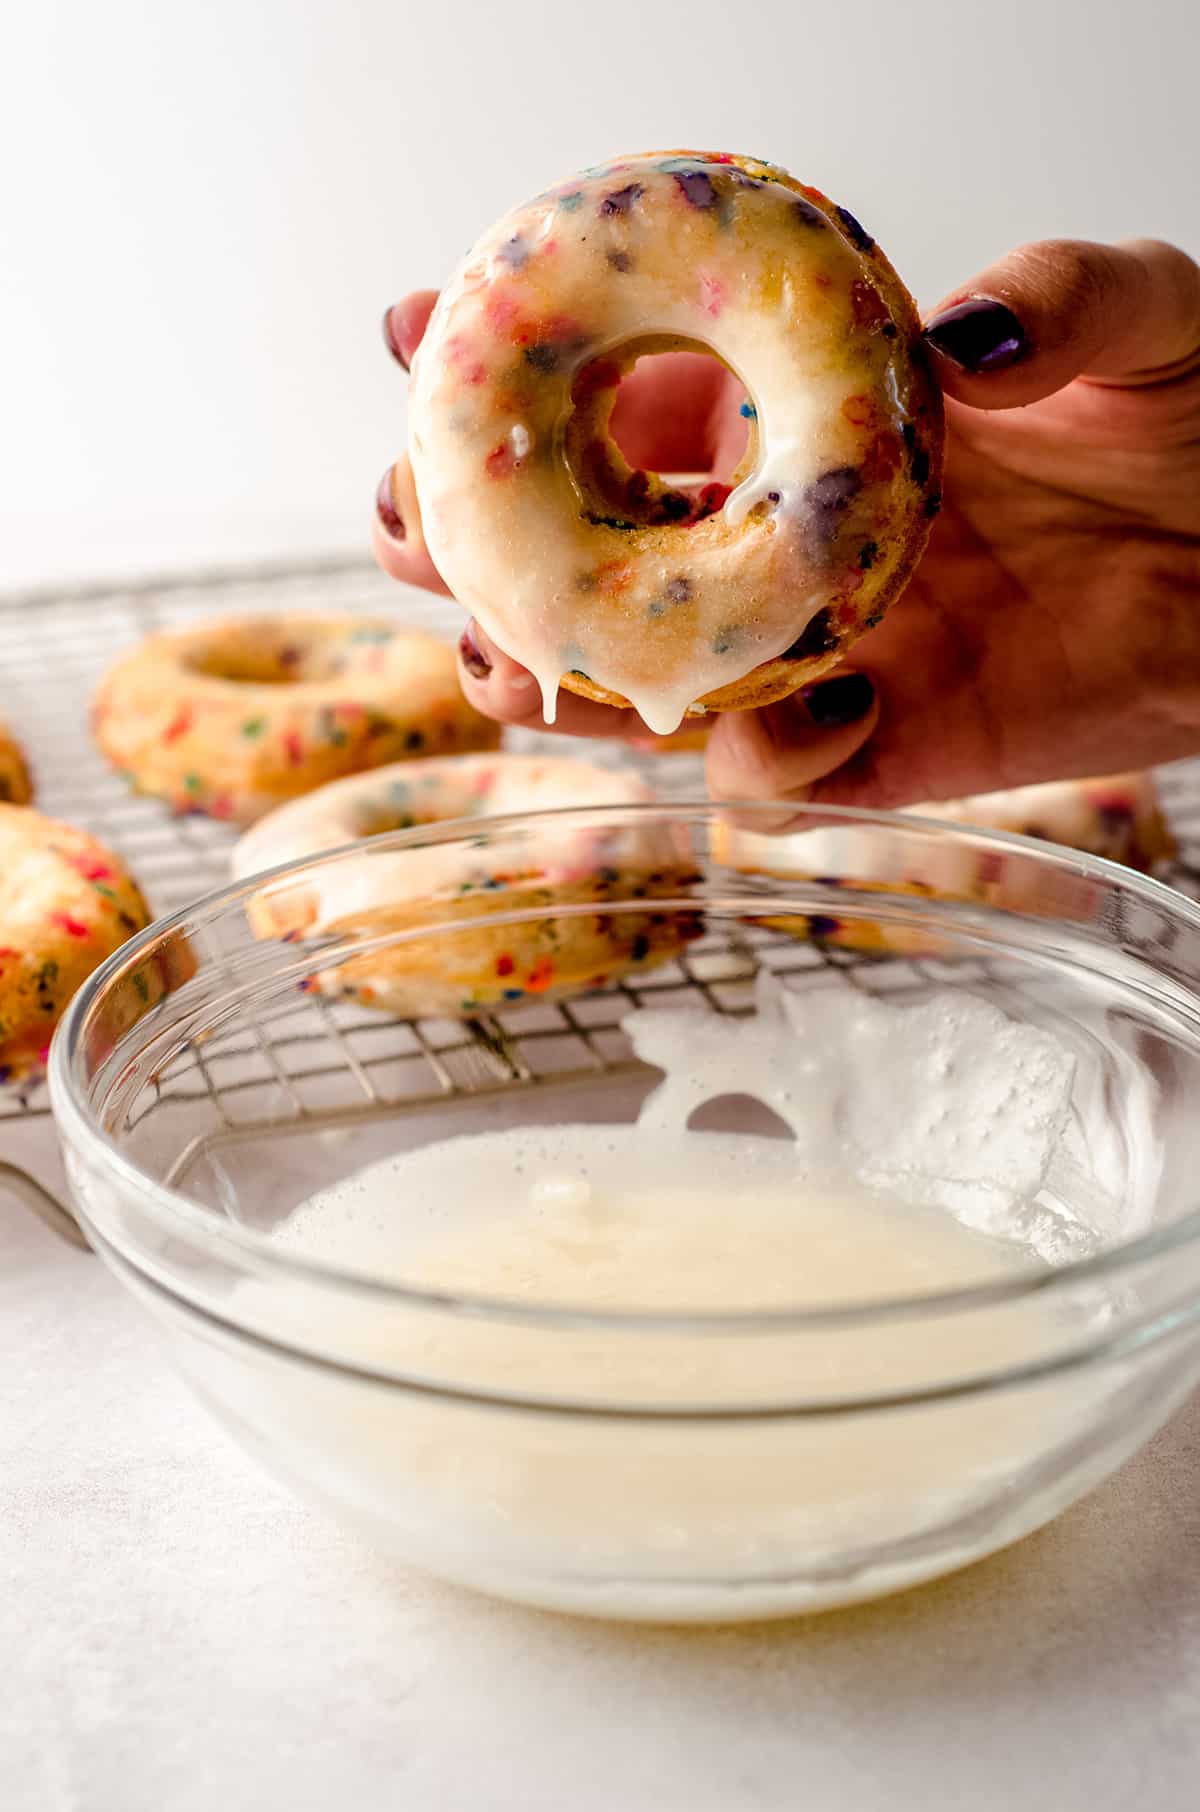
(230, 717)
(16, 788)
(1119, 817)
(616, 583)
(607, 864)
(66, 903)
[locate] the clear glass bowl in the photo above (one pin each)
(661, 1459)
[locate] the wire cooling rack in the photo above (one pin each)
(320, 1062)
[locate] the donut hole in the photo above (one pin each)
(264, 660)
(661, 431)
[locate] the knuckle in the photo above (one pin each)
(1069, 279)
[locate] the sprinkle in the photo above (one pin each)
(514, 252)
(817, 638)
(543, 358)
(829, 495)
(293, 748)
(253, 727)
(192, 783)
(179, 725)
(640, 948)
(570, 202)
(749, 411)
(620, 261)
(504, 965)
(89, 868)
(620, 201)
(501, 462)
(332, 730)
(807, 215)
(858, 234)
(819, 925)
(696, 188)
(712, 295)
(512, 993)
(141, 986)
(541, 975)
(72, 926)
(415, 739)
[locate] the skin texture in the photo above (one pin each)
(1052, 627)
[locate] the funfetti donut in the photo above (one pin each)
(16, 788)
(1119, 817)
(66, 903)
(231, 717)
(614, 582)
(549, 865)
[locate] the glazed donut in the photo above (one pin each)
(612, 581)
(66, 903)
(486, 965)
(1119, 817)
(231, 717)
(16, 787)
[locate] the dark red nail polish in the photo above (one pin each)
(978, 335)
(471, 654)
(834, 703)
(391, 339)
(386, 510)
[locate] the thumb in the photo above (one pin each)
(779, 751)
(1062, 309)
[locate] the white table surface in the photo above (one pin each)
(177, 1634)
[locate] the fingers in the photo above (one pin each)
(396, 537)
(662, 416)
(405, 322)
(781, 751)
(1061, 309)
(502, 689)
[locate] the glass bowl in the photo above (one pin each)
(952, 1027)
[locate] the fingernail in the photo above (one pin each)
(385, 509)
(391, 338)
(471, 654)
(833, 703)
(978, 335)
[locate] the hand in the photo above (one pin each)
(1052, 627)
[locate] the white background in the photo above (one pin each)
(207, 207)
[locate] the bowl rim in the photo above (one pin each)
(181, 1217)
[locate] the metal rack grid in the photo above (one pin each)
(320, 1062)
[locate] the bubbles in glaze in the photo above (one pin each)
(578, 565)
